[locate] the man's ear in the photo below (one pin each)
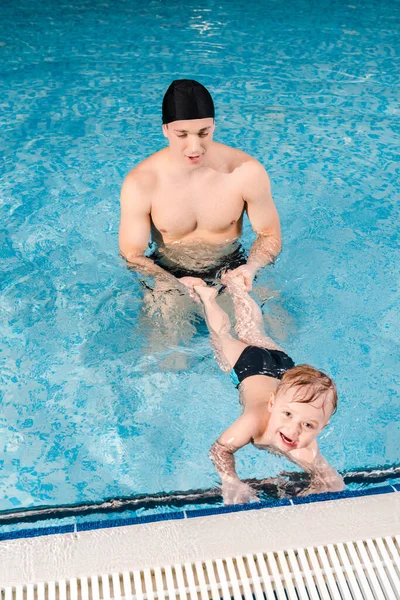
(165, 130)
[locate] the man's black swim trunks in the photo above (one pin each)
(209, 275)
(260, 361)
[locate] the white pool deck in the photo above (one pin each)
(119, 552)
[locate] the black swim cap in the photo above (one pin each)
(186, 99)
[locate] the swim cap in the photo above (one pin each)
(186, 99)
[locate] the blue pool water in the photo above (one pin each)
(89, 407)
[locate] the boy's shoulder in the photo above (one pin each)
(305, 455)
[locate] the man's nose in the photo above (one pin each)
(194, 144)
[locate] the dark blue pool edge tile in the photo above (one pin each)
(31, 533)
(91, 525)
(192, 514)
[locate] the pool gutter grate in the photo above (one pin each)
(361, 570)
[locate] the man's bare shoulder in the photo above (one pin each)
(239, 161)
(251, 167)
(143, 178)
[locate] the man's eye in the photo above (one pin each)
(203, 134)
(184, 135)
(287, 414)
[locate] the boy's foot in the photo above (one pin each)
(205, 292)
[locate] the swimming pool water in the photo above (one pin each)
(90, 407)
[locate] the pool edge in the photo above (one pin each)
(130, 547)
(192, 513)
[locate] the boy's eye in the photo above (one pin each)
(183, 135)
(287, 414)
(203, 134)
(308, 425)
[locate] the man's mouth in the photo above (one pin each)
(287, 441)
(194, 159)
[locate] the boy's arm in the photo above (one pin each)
(324, 478)
(239, 434)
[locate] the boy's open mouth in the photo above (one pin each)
(287, 441)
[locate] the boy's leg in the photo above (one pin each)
(227, 349)
(249, 321)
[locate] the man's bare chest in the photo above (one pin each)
(179, 211)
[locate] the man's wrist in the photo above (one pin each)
(253, 265)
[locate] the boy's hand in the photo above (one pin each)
(238, 492)
(333, 482)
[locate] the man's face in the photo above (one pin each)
(190, 140)
(294, 424)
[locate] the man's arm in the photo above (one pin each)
(264, 220)
(135, 227)
(239, 434)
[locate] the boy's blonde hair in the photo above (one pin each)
(315, 384)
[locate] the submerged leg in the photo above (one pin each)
(227, 348)
(249, 320)
(167, 322)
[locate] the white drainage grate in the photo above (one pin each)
(363, 570)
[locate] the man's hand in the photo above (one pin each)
(238, 492)
(190, 282)
(246, 273)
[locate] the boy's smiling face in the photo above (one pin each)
(293, 423)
